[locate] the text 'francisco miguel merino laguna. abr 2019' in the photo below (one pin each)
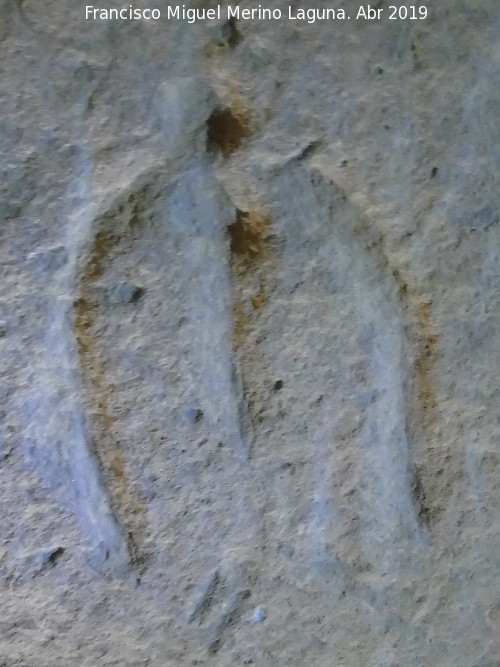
(257, 13)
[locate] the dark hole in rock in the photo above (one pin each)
(52, 559)
(230, 33)
(225, 131)
(278, 385)
(138, 293)
(434, 172)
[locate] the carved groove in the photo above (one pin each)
(432, 479)
(251, 270)
(105, 443)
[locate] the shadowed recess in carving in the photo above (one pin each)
(252, 273)
(432, 456)
(206, 599)
(230, 33)
(119, 225)
(226, 129)
(432, 477)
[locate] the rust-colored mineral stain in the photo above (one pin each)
(103, 244)
(424, 362)
(248, 234)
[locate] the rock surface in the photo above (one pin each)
(250, 333)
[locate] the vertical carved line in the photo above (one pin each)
(250, 267)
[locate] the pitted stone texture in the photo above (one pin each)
(249, 332)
